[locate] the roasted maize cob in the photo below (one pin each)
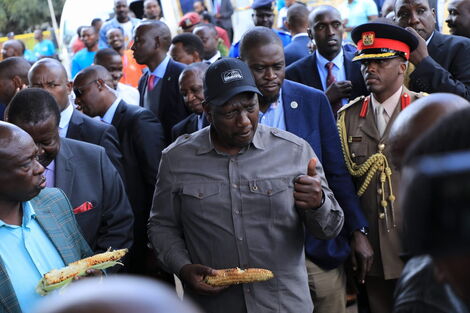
(59, 278)
(236, 275)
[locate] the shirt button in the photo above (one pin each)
(237, 212)
(235, 186)
(240, 238)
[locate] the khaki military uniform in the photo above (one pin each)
(361, 135)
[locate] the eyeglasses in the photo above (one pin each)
(79, 91)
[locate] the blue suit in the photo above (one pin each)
(305, 71)
(308, 115)
(285, 38)
(297, 49)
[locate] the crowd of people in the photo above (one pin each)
(329, 150)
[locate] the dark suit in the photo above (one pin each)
(305, 71)
(84, 128)
(297, 49)
(312, 120)
(225, 19)
(446, 69)
(54, 214)
(85, 173)
(187, 126)
(142, 142)
(171, 107)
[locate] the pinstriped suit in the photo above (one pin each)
(54, 214)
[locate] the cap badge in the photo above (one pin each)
(368, 38)
(232, 75)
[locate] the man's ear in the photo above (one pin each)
(69, 86)
(207, 111)
(18, 82)
(310, 33)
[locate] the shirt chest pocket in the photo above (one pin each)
(200, 199)
(271, 199)
(359, 152)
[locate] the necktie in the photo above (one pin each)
(151, 82)
(380, 118)
(330, 78)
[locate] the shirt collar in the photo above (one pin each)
(65, 116)
(28, 215)
(300, 35)
(338, 61)
(214, 58)
(429, 39)
(161, 68)
(109, 115)
(51, 166)
(207, 145)
(389, 104)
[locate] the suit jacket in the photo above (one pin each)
(305, 71)
(446, 69)
(85, 173)
(171, 106)
(54, 214)
(308, 115)
(84, 128)
(142, 142)
(297, 49)
(386, 244)
(226, 11)
(187, 126)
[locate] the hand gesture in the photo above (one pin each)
(421, 51)
(308, 192)
(339, 90)
(362, 255)
(193, 275)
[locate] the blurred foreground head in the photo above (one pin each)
(118, 294)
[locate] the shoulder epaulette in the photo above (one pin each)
(351, 103)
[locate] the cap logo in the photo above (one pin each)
(232, 75)
(368, 38)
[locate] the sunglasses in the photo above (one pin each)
(79, 91)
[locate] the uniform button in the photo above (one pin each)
(382, 216)
(381, 147)
(353, 155)
(237, 212)
(379, 191)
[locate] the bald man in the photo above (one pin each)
(142, 141)
(50, 74)
(326, 29)
(38, 230)
(12, 48)
(418, 289)
(117, 294)
(13, 77)
(297, 24)
(419, 117)
(158, 87)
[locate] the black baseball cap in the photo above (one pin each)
(226, 78)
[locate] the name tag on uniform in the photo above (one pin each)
(354, 139)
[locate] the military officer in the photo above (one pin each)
(364, 123)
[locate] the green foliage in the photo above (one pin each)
(21, 16)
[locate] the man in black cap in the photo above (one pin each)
(226, 198)
(263, 15)
(364, 123)
(440, 61)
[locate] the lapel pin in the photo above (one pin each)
(294, 105)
